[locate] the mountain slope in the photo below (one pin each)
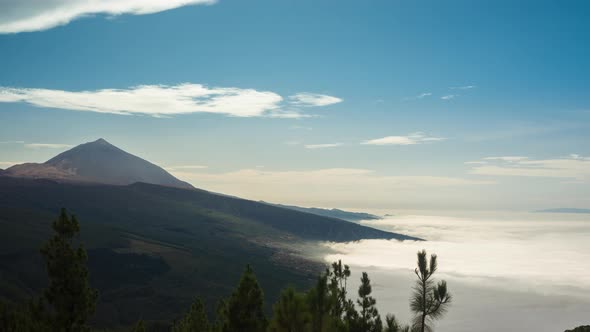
(97, 162)
(332, 213)
(153, 248)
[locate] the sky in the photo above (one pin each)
(370, 105)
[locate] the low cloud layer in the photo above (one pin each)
(34, 15)
(164, 100)
(511, 253)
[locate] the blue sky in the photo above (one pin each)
(361, 104)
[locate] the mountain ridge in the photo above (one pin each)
(97, 162)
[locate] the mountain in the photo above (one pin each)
(564, 210)
(153, 247)
(97, 162)
(332, 213)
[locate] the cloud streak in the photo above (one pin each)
(322, 146)
(573, 167)
(162, 100)
(313, 99)
(47, 146)
(412, 139)
(33, 15)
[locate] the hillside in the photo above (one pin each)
(332, 213)
(153, 248)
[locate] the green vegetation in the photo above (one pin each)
(585, 328)
(152, 248)
(69, 300)
(429, 301)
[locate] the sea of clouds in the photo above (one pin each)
(517, 273)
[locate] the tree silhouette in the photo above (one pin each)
(429, 301)
(392, 325)
(245, 306)
(368, 320)
(195, 320)
(290, 313)
(139, 327)
(69, 294)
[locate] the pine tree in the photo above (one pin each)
(69, 294)
(221, 320)
(318, 303)
(139, 327)
(392, 325)
(195, 319)
(245, 307)
(369, 319)
(290, 313)
(429, 301)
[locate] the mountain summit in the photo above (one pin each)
(97, 162)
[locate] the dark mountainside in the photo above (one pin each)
(332, 213)
(152, 248)
(97, 162)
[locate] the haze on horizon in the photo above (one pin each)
(387, 105)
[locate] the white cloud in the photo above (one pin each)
(159, 100)
(300, 128)
(415, 138)
(575, 167)
(34, 15)
(448, 97)
(313, 99)
(184, 167)
(465, 87)
(7, 164)
(322, 146)
(420, 96)
(12, 142)
(507, 158)
(47, 146)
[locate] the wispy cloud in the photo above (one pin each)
(573, 167)
(163, 100)
(12, 142)
(420, 96)
(35, 15)
(313, 99)
(322, 146)
(414, 138)
(464, 87)
(449, 97)
(185, 167)
(507, 158)
(300, 128)
(47, 146)
(6, 164)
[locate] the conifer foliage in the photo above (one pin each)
(69, 295)
(245, 308)
(429, 301)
